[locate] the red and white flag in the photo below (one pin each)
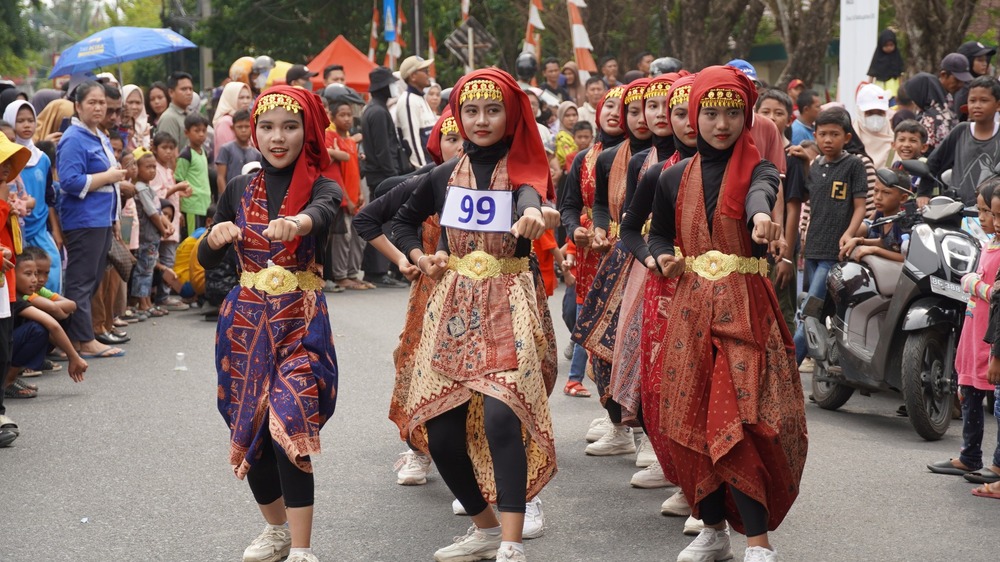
(532, 39)
(432, 47)
(465, 10)
(396, 46)
(581, 39)
(373, 42)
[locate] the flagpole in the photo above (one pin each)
(416, 27)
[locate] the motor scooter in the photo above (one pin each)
(888, 325)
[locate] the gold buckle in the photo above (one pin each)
(714, 265)
(276, 280)
(480, 265)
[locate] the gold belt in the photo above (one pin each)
(614, 229)
(714, 265)
(276, 280)
(480, 265)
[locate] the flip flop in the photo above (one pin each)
(945, 467)
(576, 390)
(985, 491)
(353, 285)
(57, 355)
(107, 353)
(984, 475)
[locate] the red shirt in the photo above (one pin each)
(333, 170)
(7, 241)
(546, 262)
(350, 170)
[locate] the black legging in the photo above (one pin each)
(274, 477)
(446, 439)
(753, 513)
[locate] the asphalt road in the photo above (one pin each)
(131, 465)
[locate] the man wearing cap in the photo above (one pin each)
(979, 56)
(300, 76)
(414, 117)
(384, 158)
(954, 75)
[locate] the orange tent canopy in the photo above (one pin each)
(341, 51)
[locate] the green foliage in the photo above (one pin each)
(18, 37)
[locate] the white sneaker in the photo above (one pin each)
(302, 557)
(710, 546)
(568, 352)
(693, 526)
(457, 509)
(645, 455)
(474, 545)
(650, 477)
(534, 521)
(510, 554)
(413, 468)
(617, 441)
(598, 427)
(759, 554)
(270, 546)
(676, 505)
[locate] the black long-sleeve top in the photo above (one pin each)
(639, 204)
(760, 199)
(322, 206)
(602, 180)
(374, 216)
(429, 195)
(383, 154)
(571, 200)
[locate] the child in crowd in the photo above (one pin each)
(972, 148)
(909, 143)
(192, 167)
(49, 302)
(234, 155)
(972, 358)
(836, 190)
(33, 331)
(346, 247)
(165, 151)
(153, 227)
(188, 271)
(888, 241)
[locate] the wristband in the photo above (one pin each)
(418, 263)
(297, 222)
(788, 261)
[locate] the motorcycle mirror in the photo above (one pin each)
(946, 178)
(916, 168)
(890, 178)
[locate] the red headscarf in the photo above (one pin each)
(634, 91)
(527, 163)
(616, 92)
(660, 85)
(727, 87)
(313, 158)
(681, 90)
(441, 129)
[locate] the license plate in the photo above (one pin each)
(948, 289)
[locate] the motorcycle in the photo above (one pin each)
(888, 325)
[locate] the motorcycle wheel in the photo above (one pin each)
(829, 395)
(927, 383)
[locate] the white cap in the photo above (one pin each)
(872, 97)
(250, 167)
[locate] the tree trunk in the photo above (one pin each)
(931, 29)
(701, 31)
(805, 29)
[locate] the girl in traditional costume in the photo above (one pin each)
(477, 396)
(731, 404)
(274, 347)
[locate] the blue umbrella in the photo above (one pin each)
(117, 45)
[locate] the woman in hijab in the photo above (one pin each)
(567, 117)
(735, 426)
(478, 394)
(887, 65)
(50, 120)
(571, 81)
(134, 118)
(874, 126)
(235, 96)
(44, 97)
(931, 104)
(10, 95)
(277, 392)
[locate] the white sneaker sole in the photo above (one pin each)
(619, 450)
(411, 480)
(647, 484)
(276, 557)
(698, 558)
(468, 557)
(675, 510)
(533, 533)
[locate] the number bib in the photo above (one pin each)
(476, 210)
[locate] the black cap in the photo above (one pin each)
(298, 72)
(380, 77)
(973, 49)
(957, 65)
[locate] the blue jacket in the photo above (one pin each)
(81, 153)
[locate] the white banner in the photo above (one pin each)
(858, 38)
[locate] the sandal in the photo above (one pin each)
(991, 490)
(27, 384)
(353, 285)
(119, 323)
(17, 389)
(48, 365)
(576, 390)
(58, 355)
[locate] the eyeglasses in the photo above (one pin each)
(113, 110)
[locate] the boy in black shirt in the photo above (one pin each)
(836, 191)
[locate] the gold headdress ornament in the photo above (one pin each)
(271, 101)
(449, 126)
(723, 97)
(615, 93)
(480, 89)
(656, 89)
(681, 95)
(634, 93)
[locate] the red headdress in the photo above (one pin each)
(446, 124)
(660, 85)
(616, 92)
(680, 90)
(634, 91)
(728, 87)
(526, 160)
(313, 158)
